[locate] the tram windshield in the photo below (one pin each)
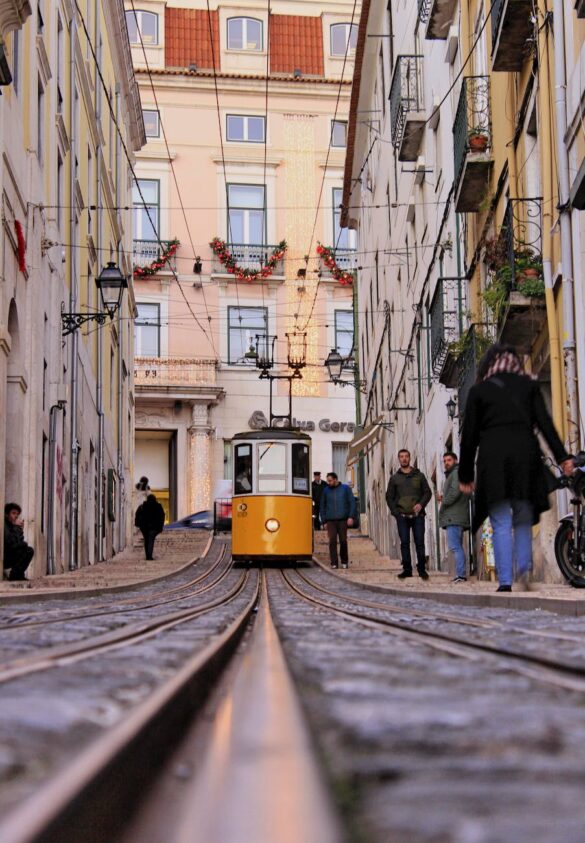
(243, 470)
(300, 469)
(271, 467)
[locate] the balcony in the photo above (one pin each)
(512, 29)
(171, 375)
(147, 252)
(346, 260)
(407, 118)
(447, 323)
(515, 290)
(248, 256)
(438, 15)
(473, 344)
(472, 144)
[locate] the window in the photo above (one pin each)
(344, 332)
(16, 60)
(243, 325)
(244, 34)
(338, 133)
(343, 238)
(147, 330)
(339, 459)
(246, 222)
(146, 208)
(143, 24)
(300, 469)
(60, 66)
(271, 467)
(40, 119)
(243, 470)
(343, 34)
(151, 123)
(245, 128)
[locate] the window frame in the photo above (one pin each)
(300, 447)
(266, 483)
(243, 456)
(246, 241)
(348, 50)
(142, 206)
(233, 308)
(246, 138)
(140, 323)
(245, 19)
(347, 237)
(335, 123)
(138, 15)
(157, 113)
(338, 330)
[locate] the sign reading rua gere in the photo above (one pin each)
(258, 421)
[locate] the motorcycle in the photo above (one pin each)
(570, 536)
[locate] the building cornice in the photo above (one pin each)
(283, 78)
(13, 14)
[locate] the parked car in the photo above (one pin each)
(198, 521)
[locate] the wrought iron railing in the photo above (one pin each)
(521, 240)
(447, 318)
(145, 252)
(165, 372)
(424, 10)
(249, 256)
(472, 129)
(496, 15)
(345, 259)
(473, 345)
(406, 93)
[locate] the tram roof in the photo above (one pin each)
(272, 433)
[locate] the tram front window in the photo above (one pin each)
(243, 470)
(300, 469)
(271, 467)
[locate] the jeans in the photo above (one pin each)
(455, 545)
(149, 537)
(417, 525)
(334, 529)
(512, 526)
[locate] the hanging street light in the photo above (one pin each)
(111, 283)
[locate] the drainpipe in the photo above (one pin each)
(556, 366)
(120, 496)
(99, 397)
(60, 405)
(569, 351)
(74, 446)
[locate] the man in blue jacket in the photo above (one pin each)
(338, 512)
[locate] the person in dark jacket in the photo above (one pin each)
(317, 487)
(407, 495)
(17, 553)
(454, 514)
(150, 519)
(338, 512)
(502, 411)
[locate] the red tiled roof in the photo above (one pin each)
(187, 38)
(296, 42)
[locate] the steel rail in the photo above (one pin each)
(91, 798)
(554, 672)
(130, 604)
(125, 636)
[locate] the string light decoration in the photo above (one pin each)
(159, 262)
(222, 252)
(327, 255)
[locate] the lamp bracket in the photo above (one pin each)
(73, 321)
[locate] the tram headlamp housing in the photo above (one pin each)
(272, 525)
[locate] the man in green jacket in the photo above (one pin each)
(407, 495)
(454, 514)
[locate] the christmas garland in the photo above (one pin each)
(159, 262)
(221, 250)
(327, 255)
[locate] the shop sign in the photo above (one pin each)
(258, 421)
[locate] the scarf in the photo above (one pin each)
(505, 362)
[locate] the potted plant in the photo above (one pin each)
(527, 265)
(477, 138)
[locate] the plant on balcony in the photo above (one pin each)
(159, 262)
(478, 139)
(495, 253)
(327, 255)
(482, 342)
(225, 257)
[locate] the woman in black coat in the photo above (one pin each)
(150, 519)
(502, 411)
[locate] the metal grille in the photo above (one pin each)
(473, 117)
(405, 93)
(447, 318)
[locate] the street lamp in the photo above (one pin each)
(111, 283)
(451, 406)
(334, 365)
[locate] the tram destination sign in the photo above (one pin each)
(258, 421)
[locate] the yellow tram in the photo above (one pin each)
(272, 517)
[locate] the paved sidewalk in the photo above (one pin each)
(370, 568)
(172, 550)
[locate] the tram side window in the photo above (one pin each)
(271, 467)
(243, 470)
(300, 469)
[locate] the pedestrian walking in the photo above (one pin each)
(503, 409)
(150, 519)
(17, 553)
(338, 511)
(407, 495)
(317, 487)
(454, 514)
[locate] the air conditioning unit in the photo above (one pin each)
(419, 170)
(410, 210)
(452, 45)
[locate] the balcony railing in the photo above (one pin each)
(438, 15)
(512, 33)
(249, 256)
(174, 372)
(474, 343)
(345, 259)
(447, 318)
(472, 143)
(145, 252)
(521, 241)
(406, 106)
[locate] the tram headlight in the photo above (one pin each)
(272, 525)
